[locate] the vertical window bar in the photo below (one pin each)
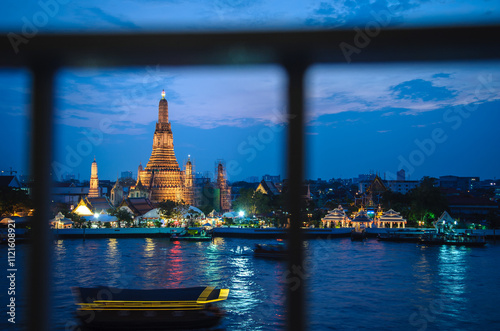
(295, 154)
(39, 258)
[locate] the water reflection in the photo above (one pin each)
(149, 248)
(452, 269)
(422, 274)
(112, 254)
(349, 286)
(175, 265)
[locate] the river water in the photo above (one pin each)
(349, 285)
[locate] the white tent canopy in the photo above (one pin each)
(193, 211)
(101, 218)
(153, 213)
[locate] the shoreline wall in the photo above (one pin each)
(232, 232)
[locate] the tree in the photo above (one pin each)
(427, 201)
(253, 202)
(228, 221)
(172, 209)
(122, 215)
(167, 209)
(14, 200)
(77, 219)
(244, 201)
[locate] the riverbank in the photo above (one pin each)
(224, 232)
(116, 233)
(233, 232)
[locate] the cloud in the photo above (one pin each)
(113, 20)
(399, 88)
(353, 13)
(198, 97)
(210, 97)
(419, 89)
(441, 75)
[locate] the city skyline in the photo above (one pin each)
(428, 118)
(252, 142)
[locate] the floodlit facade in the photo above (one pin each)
(94, 181)
(162, 178)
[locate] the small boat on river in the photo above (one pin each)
(446, 235)
(108, 308)
(192, 235)
(453, 239)
(273, 251)
(401, 236)
(358, 235)
(360, 222)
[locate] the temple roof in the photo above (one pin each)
(376, 185)
(362, 216)
(391, 216)
(338, 214)
(90, 206)
(268, 188)
(139, 206)
(10, 181)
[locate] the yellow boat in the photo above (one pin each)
(159, 309)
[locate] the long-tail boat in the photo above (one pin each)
(192, 235)
(108, 308)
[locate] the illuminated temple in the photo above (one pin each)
(162, 179)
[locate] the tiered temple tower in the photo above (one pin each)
(116, 194)
(225, 190)
(162, 175)
(94, 181)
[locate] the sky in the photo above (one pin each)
(430, 119)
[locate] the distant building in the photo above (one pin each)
(268, 187)
(91, 206)
(223, 188)
(401, 175)
(252, 179)
(126, 174)
(117, 194)
(139, 191)
(363, 178)
(68, 193)
(9, 181)
(336, 218)
(94, 181)
(137, 206)
(469, 208)
(269, 178)
(371, 192)
(460, 183)
(402, 187)
(489, 183)
(399, 186)
(162, 177)
(388, 219)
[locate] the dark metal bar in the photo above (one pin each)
(84, 50)
(183, 48)
(39, 258)
(295, 156)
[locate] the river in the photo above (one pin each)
(349, 285)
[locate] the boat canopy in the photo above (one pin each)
(102, 294)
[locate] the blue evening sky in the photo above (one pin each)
(429, 119)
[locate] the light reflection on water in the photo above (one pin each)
(350, 285)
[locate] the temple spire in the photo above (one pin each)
(163, 109)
